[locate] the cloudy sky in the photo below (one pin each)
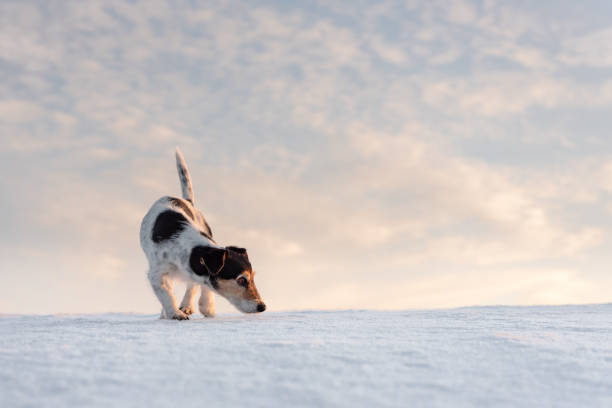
(379, 154)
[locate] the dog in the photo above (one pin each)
(179, 244)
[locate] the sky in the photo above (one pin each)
(368, 154)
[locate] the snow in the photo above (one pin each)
(481, 356)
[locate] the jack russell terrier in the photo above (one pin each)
(179, 245)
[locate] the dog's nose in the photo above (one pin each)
(261, 307)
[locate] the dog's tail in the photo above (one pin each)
(184, 176)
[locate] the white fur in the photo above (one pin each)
(181, 167)
(206, 304)
(169, 260)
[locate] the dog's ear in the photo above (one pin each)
(238, 250)
(206, 260)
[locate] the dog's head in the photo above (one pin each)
(230, 274)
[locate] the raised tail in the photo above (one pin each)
(184, 176)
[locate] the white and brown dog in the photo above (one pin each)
(179, 245)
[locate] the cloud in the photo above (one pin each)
(492, 95)
(388, 52)
(592, 49)
(461, 12)
(514, 286)
(370, 156)
(526, 56)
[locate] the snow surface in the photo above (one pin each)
(483, 356)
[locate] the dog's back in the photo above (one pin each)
(170, 217)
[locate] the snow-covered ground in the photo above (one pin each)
(484, 356)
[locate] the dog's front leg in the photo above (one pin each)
(188, 303)
(207, 302)
(162, 286)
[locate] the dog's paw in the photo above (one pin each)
(180, 315)
(188, 310)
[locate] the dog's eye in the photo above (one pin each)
(242, 281)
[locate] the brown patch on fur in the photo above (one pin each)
(231, 288)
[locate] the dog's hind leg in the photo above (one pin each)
(188, 303)
(162, 286)
(206, 303)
